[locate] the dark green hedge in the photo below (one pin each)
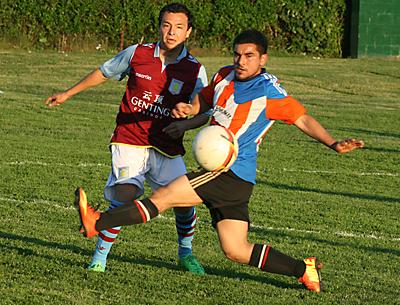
(299, 26)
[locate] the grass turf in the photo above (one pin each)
(308, 200)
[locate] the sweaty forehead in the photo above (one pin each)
(175, 18)
(245, 48)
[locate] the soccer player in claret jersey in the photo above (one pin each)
(247, 100)
(147, 142)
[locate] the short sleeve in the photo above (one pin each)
(208, 92)
(201, 81)
(119, 66)
(286, 109)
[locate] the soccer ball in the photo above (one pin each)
(215, 148)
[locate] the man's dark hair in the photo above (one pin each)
(176, 8)
(252, 36)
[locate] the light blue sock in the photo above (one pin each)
(105, 240)
(185, 224)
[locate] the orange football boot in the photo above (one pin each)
(87, 214)
(311, 278)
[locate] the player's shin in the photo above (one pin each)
(268, 259)
(104, 243)
(128, 214)
(185, 220)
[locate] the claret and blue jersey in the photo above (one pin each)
(153, 89)
(249, 108)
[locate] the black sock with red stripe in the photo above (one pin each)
(268, 259)
(139, 211)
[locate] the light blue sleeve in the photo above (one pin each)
(201, 82)
(119, 66)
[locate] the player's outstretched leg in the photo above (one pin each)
(128, 214)
(186, 219)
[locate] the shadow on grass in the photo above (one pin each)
(262, 278)
(40, 242)
(354, 245)
(7, 237)
(371, 132)
(382, 150)
(350, 195)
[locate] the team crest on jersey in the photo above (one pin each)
(123, 172)
(175, 87)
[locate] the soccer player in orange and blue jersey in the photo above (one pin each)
(147, 142)
(246, 99)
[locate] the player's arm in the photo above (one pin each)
(201, 118)
(116, 68)
(281, 106)
(93, 79)
(178, 128)
(201, 103)
(184, 110)
(290, 111)
(314, 129)
(197, 108)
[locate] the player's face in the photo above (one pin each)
(174, 30)
(248, 61)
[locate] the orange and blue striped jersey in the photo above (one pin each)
(249, 108)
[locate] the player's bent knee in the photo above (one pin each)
(125, 192)
(178, 193)
(235, 254)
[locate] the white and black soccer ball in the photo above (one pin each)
(215, 148)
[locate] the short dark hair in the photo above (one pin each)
(176, 8)
(252, 36)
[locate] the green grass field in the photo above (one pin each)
(308, 200)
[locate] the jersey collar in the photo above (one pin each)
(180, 56)
(250, 79)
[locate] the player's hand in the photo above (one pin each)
(56, 99)
(345, 146)
(175, 129)
(181, 111)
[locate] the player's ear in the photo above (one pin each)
(188, 32)
(264, 59)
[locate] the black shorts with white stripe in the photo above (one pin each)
(225, 194)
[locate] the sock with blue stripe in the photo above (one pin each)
(185, 220)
